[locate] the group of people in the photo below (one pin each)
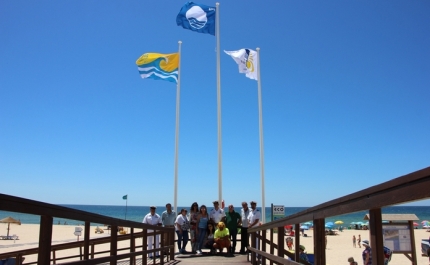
(367, 253)
(214, 230)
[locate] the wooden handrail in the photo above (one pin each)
(407, 188)
(48, 211)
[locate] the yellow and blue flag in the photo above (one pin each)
(197, 17)
(159, 66)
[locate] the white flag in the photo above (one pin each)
(247, 61)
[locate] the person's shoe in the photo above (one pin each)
(151, 257)
(199, 252)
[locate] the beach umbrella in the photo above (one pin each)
(9, 220)
(425, 222)
(304, 227)
(308, 223)
(338, 222)
(329, 224)
(353, 223)
(416, 224)
(288, 226)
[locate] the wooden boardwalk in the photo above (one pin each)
(184, 259)
(219, 259)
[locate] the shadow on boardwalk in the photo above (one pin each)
(219, 259)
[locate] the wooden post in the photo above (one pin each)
(376, 240)
(172, 244)
(253, 245)
(132, 246)
(92, 250)
(45, 240)
(319, 242)
(281, 242)
(413, 249)
(113, 244)
(263, 245)
(297, 241)
(145, 245)
(87, 240)
(161, 243)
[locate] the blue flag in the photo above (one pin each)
(196, 17)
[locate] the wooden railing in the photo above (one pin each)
(48, 211)
(411, 187)
(408, 188)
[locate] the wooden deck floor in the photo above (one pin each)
(219, 259)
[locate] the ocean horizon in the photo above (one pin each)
(136, 213)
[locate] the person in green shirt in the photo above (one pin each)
(233, 219)
(222, 237)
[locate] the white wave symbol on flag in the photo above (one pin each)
(146, 72)
(196, 23)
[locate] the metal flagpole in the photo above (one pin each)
(218, 70)
(260, 120)
(178, 93)
(126, 200)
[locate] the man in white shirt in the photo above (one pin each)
(244, 212)
(217, 214)
(152, 218)
(254, 217)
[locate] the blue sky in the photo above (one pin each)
(345, 88)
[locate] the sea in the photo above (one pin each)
(136, 213)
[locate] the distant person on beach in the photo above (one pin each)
(367, 253)
(303, 256)
(244, 212)
(217, 214)
(152, 218)
(233, 219)
(202, 226)
(353, 241)
(182, 227)
(387, 255)
(194, 212)
(222, 238)
(359, 241)
(351, 261)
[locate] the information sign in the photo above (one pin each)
(397, 237)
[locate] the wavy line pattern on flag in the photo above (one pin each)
(159, 66)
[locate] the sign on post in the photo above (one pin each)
(278, 212)
(78, 231)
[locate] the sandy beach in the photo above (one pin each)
(339, 247)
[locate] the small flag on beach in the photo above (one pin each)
(124, 197)
(197, 17)
(159, 66)
(247, 61)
